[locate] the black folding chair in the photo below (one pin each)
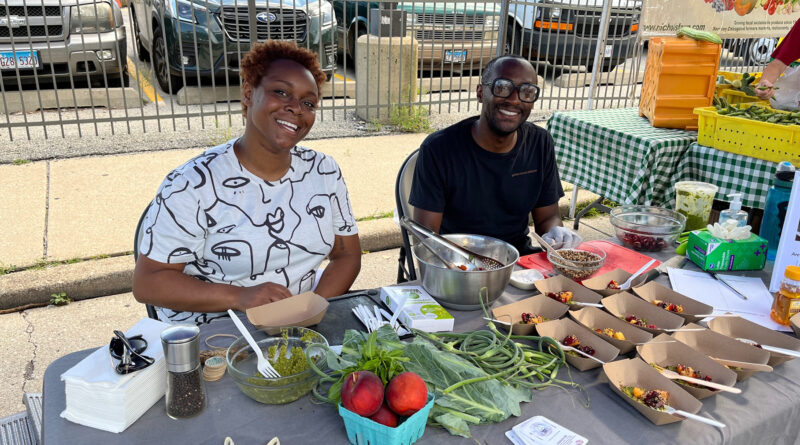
(402, 189)
(137, 239)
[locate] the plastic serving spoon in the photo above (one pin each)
(670, 374)
(770, 348)
(670, 410)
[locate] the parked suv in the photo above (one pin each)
(452, 37)
(188, 39)
(50, 40)
(564, 32)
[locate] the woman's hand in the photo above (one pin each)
(765, 89)
(261, 294)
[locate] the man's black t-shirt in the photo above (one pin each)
(486, 193)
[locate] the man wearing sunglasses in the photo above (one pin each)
(486, 174)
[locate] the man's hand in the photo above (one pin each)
(262, 294)
(562, 238)
(765, 89)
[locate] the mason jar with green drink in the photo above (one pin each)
(694, 200)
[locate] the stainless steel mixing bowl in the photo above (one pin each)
(460, 289)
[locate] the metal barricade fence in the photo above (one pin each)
(71, 68)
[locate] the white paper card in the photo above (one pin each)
(540, 430)
(789, 246)
(704, 288)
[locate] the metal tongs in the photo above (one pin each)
(473, 261)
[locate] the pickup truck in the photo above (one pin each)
(206, 38)
(564, 32)
(49, 41)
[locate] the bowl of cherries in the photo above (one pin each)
(646, 228)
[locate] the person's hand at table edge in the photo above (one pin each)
(560, 237)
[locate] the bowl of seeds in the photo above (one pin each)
(579, 263)
(286, 351)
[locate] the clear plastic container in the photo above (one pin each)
(694, 199)
(787, 300)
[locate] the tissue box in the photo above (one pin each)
(712, 253)
(420, 310)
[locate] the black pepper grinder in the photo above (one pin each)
(186, 393)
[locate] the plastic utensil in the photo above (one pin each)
(670, 410)
(627, 284)
(770, 348)
(475, 259)
(670, 374)
(264, 367)
(570, 348)
(743, 365)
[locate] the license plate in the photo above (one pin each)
(23, 59)
(608, 50)
(455, 55)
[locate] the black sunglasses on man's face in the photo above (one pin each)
(503, 88)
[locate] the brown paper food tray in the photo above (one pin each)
(635, 372)
(595, 318)
(714, 344)
(599, 283)
(558, 329)
(795, 321)
(665, 351)
(737, 327)
(304, 310)
(624, 304)
(539, 304)
(560, 283)
(654, 291)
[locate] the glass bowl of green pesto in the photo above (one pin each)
(286, 351)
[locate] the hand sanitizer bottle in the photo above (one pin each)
(734, 211)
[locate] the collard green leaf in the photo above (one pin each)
(489, 401)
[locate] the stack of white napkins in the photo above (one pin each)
(100, 398)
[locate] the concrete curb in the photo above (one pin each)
(110, 276)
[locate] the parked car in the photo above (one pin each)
(189, 41)
(754, 51)
(564, 32)
(49, 41)
(452, 37)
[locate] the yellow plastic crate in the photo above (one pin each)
(738, 97)
(761, 140)
(731, 76)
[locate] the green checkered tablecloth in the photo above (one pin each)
(730, 172)
(616, 154)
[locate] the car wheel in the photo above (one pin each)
(513, 40)
(165, 80)
(141, 52)
(352, 36)
(759, 51)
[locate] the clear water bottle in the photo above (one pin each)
(775, 210)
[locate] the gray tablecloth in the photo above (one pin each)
(765, 412)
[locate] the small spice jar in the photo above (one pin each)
(186, 392)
